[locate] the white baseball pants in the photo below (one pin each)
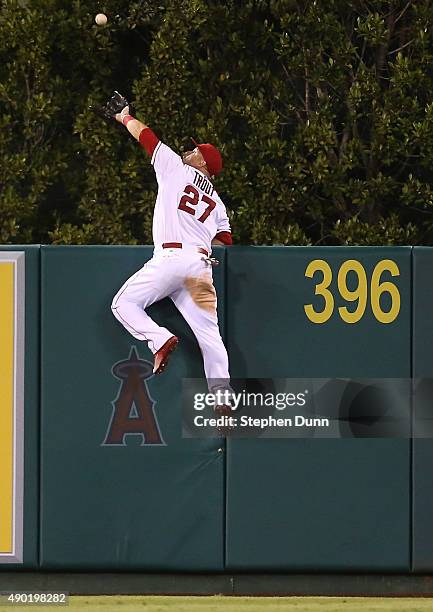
(185, 276)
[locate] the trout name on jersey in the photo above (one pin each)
(203, 184)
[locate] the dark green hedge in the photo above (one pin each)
(323, 110)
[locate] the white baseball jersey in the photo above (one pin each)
(187, 208)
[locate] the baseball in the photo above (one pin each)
(101, 19)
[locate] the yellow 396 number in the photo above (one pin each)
(359, 294)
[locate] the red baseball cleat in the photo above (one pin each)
(163, 354)
(226, 411)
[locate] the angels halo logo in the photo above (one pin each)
(133, 408)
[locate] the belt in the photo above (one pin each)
(178, 245)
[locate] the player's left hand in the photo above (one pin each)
(115, 108)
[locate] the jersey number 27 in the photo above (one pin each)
(192, 196)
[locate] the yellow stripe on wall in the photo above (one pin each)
(6, 405)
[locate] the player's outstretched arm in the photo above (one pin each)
(134, 126)
(163, 159)
(117, 108)
(139, 130)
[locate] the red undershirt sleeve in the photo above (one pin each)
(224, 237)
(148, 140)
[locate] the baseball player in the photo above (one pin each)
(189, 217)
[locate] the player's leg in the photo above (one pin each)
(196, 301)
(145, 287)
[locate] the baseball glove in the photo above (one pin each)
(115, 105)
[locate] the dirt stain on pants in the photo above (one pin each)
(202, 291)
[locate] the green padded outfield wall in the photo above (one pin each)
(19, 406)
(110, 502)
(423, 407)
(317, 505)
(122, 504)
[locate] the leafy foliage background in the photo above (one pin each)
(323, 110)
